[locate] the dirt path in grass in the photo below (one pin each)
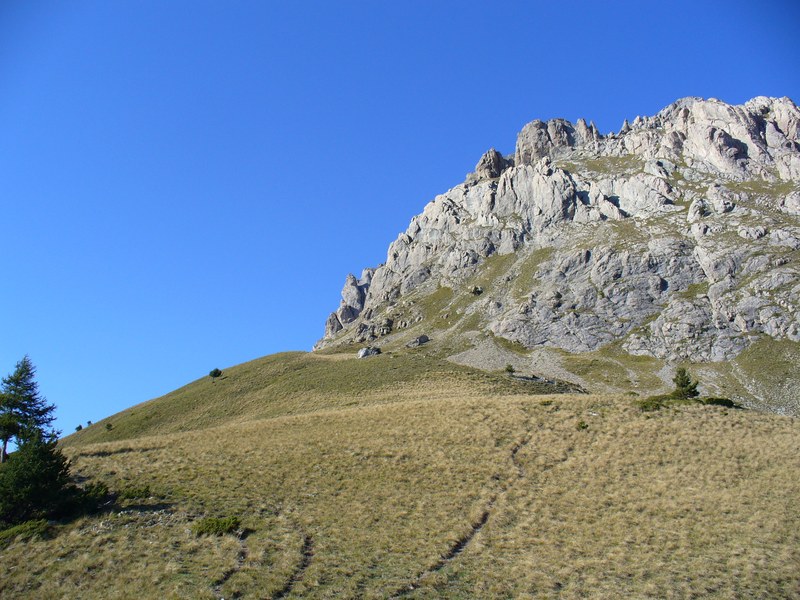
(240, 558)
(462, 543)
(307, 553)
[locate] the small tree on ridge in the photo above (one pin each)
(685, 387)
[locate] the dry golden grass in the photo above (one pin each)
(363, 499)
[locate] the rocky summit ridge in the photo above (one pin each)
(673, 241)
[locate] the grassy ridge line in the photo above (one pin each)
(294, 383)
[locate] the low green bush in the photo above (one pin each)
(26, 530)
(652, 403)
(216, 526)
(726, 402)
(135, 492)
(93, 495)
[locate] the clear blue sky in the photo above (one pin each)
(185, 185)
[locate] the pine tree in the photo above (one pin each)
(24, 413)
(685, 388)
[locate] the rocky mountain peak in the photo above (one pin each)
(674, 239)
(491, 165)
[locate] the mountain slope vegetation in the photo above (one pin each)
(403, 475)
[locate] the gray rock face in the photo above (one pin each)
(675, 237)
(354, 295)
(491, 165)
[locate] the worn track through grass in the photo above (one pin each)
(241, 557)
(461, 544)
(307, 553)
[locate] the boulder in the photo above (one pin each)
(418, 341)
(368, 351)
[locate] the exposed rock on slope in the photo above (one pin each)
(675, 239)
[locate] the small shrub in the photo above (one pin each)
(216, 526)
(214, 373)
(510, 369)
(652, 403)
(88, 423)
(135, 492)
(109, 427)
(79, 427)
(90, 498)
(582, 425)
(25, 531)
(547, 402)
(726, 402)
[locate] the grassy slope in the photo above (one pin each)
(292, 383)
(353, 479)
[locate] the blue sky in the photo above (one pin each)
(185, 185)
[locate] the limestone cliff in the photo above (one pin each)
(675, 239)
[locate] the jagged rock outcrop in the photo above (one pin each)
(354, 295)
(675, 237)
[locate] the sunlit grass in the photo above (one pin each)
(356, 489)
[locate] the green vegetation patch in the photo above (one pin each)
(696, 289)
(626, 233)
(434, 304)
(493, 267)
(653, 403)
(135, 492)
(471, 322)
(770, 359)
(526, 281)
(216, 526)
(685, 392)
(761, 187)
(28, 530)
(612, 366)
(510, 345)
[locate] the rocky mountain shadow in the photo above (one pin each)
(607, 260)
